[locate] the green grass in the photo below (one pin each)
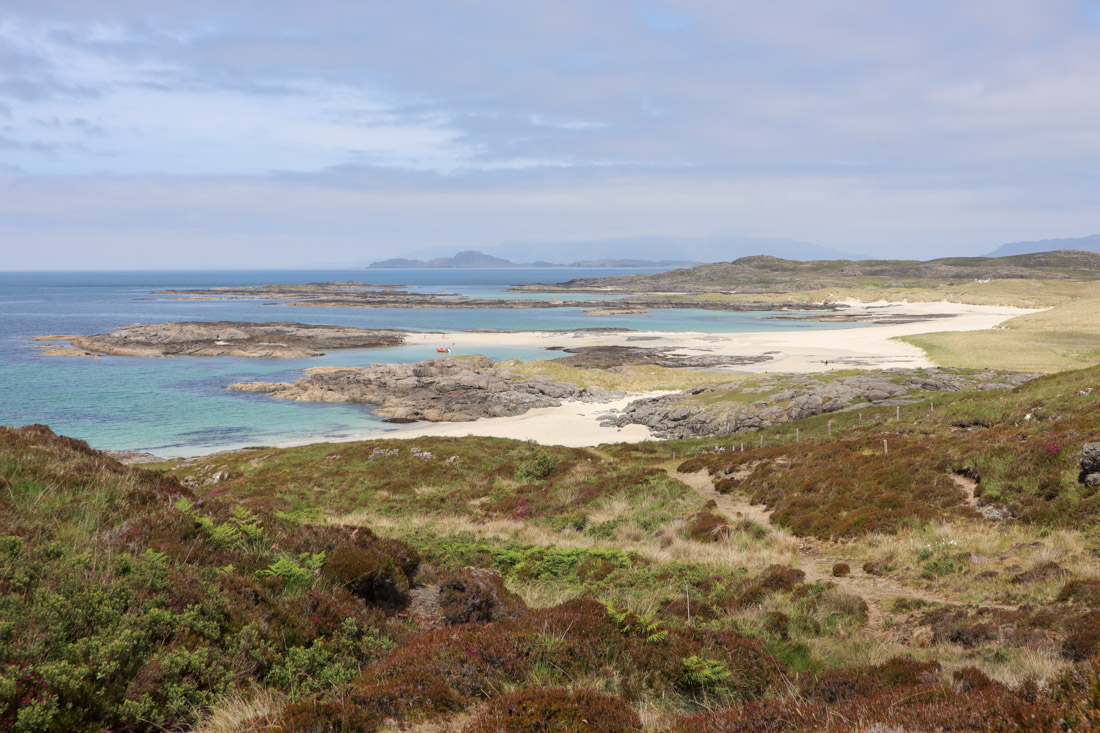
(1063, 338)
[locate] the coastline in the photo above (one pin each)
(863, 347)
(575, 424)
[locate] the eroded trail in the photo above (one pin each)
(813, 560)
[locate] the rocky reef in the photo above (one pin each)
(453, 389)
(276, 340)
(762, 403)
(607, 357)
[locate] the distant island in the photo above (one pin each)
(472, 259)
(1086, 244)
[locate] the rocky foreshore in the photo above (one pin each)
(366, 295)
(730, 408)
(276, 340)
(454, 389)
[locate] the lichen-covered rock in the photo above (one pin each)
(274, 340)
(1090, 463)
(438, 390)
(722, 409)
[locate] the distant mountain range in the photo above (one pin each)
(654, 252)
(1087, 244)
(472, 259)
(620, 252)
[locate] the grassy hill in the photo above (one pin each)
(824, 581)
(763, 274)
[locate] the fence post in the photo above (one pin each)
(885, 448)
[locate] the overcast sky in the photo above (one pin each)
(289, 133)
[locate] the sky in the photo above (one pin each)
(284, 133)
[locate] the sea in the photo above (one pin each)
(174, 407)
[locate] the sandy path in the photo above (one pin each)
(875, 590)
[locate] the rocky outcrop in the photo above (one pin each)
(456, 389)
(729, 408)
(131, 457)
(1090, 464)
(277, 340)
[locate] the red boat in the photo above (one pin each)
(441, 350)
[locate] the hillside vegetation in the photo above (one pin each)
(824, 581)
(762, 274)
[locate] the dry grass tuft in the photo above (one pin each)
(242, 713)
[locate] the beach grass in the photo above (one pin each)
(1063, 338)
(1021, 293)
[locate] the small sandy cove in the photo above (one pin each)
(866, 346)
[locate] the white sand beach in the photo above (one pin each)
(865, 346)
(576, 424)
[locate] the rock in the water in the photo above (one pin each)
(277, 340)
(454, 389)
(132, 456)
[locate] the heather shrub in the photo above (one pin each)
(925, 707)
(773, 579)
(852, 682)
(556, 711)
(1084, 591)
(126, 603)
(1083, 641)
(470, 595)
(371, 573)
(778, 624)
(536, 468)
(708, 525)
(841, 570)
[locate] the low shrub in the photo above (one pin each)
(479, 596)
(556, 710)
(708, 525)
(1084, 591)
(536, 468)
(841, 570)
(1083, 641)
(852, 682)
(369, 568)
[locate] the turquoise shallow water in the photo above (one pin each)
(179, 406)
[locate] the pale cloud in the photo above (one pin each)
(865, 126)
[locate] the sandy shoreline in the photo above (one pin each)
(863, 347)
(576, 424)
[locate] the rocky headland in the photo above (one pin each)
(762, 403)
(276, 340)
(454, 389)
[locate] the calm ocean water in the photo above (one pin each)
(179, 406)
